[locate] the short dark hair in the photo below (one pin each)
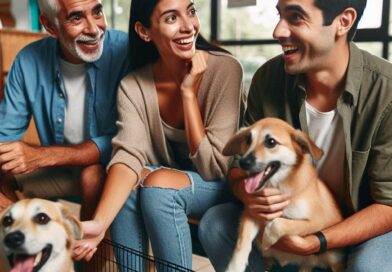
(141, 52)
(332, 8)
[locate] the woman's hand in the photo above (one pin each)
(93, 233)
(197, 67)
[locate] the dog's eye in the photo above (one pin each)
(41, 219)
(249, 139)
(270, 142)
(7, 221)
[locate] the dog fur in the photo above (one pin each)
(42, 231)
(276, 155)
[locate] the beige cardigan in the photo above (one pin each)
(140, 139)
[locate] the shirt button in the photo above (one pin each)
(61, 95)
(59, 120)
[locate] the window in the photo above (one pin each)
(247, 31)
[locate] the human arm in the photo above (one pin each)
(22, 158)
(194, 127)
(363, 225)
(125, 167)
(219, 100)
(120, 181)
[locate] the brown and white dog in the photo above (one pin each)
(276, 155)
(39, 235)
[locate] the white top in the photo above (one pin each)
(326, 130)
(75, 84)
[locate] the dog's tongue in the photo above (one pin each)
(252, 183)
(24, 264)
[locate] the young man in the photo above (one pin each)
(68, 83)
(341, 96)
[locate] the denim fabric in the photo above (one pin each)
(162, 215)
(218, 234)
(372, 255)
(218, 231)
(35, 88)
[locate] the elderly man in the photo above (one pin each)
(68, 83)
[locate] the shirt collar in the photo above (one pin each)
(354, 73)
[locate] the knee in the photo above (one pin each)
(167, 178)
(216, 224)
(92, 178)
(358, 265)
(371, 255)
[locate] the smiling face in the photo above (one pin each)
(307, 44)
(174, 29)
(80, 30)
(38, 234)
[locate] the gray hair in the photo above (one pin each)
(50, 8)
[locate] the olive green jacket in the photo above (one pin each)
(365, 106)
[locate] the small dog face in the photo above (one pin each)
(269, 150)
(39, 234)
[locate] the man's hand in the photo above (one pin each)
(265, 205)
(20, 158)
(298, 245)
(93, 233)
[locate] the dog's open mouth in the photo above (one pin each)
(256, 182)
(31, 263)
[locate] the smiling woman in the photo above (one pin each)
(173, 123)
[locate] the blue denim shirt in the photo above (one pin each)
(35, 88)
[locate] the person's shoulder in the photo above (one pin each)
(376, 64)
(274, 66)
(116, 37)
(219, 57)
(38, 48)
(222, 63)
(142, 74)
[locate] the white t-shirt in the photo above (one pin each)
(326, 130)
(75, 84)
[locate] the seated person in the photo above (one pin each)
(341, 95)
(177, 109)
(68, 83)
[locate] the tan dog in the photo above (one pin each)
(39, 234)
(276, 155)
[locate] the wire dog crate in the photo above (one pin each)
(128, 259)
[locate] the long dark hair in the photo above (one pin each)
(141, 52)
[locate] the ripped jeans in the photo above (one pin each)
(161, 214)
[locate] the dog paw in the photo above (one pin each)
(271, 234)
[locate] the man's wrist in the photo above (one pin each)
(323, 242)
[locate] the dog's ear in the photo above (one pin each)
(234, 145)
(307, 145)
(72, 222)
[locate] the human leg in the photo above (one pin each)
(372, 255)
(165, 211)
(218, 231)
(50, 182)
(128, 229)
(7, 191)
(91, 185)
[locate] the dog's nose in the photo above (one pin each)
(247, 162)
(14, 239)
